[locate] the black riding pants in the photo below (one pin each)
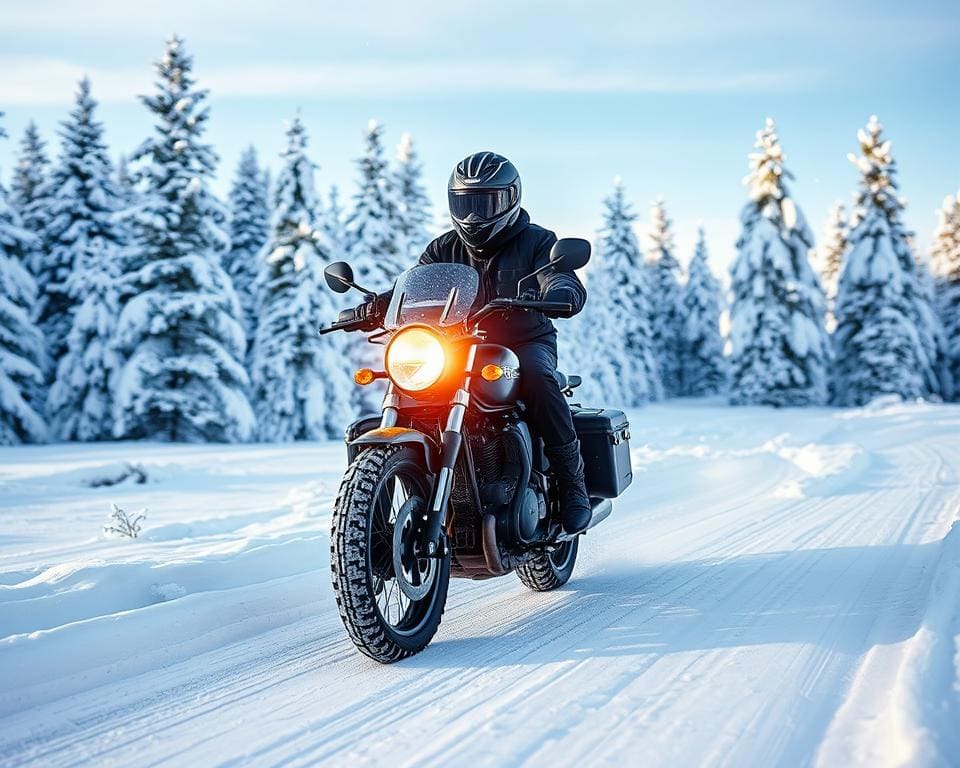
(547, 408)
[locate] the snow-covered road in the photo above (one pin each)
(777, 587)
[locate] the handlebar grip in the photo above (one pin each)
(353, 325)
(537, 304)
(553, 306)
(534, 304)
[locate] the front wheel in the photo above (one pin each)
(391, 598)
(548, 570)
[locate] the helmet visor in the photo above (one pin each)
(485, 203)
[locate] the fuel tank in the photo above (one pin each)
(503, 392)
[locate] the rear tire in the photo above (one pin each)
(548, 570)
(362, 562)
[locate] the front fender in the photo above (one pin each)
(401, 436)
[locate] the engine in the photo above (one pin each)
(503, 463)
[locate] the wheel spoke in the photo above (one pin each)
(392, 599)
(399, 497)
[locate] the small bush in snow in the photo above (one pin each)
(115, 474)
(122, 523)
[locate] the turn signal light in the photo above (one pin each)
(491, 372)
(364, 376)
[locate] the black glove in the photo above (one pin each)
(370, 314)
(560, 295)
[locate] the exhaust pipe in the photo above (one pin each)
(491, 552)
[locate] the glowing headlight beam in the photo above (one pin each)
(415, 359)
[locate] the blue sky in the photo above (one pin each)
(576, 93)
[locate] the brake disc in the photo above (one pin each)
(409, 564)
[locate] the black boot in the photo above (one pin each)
(566, 465)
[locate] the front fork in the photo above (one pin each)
(450, 443)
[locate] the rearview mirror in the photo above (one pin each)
(339, 276)
(569, 253)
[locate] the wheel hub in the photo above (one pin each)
(413, 570)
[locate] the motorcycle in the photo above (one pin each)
(449, 480)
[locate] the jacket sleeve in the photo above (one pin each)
(429, 255)
(561, 286)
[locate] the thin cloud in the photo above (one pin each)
(38, 80)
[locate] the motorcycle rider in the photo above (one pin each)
(495, 236)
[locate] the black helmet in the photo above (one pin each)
(484, 197)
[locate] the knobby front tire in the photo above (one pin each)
(382, 622)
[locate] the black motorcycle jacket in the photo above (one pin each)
(523, 248)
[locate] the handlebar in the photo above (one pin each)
(537, 304)
(534, 304)
(350, 325)
(491, 307)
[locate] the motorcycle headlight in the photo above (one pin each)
(415, 359)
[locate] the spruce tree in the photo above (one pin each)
(127, 205)
(945, 258)
(28, 192)
(665, 295)
(84, 202)
(300, 385)
(125, 183)
(180, 329)
(703, 367)
(616, 333)
(413, 202)
(886, 338)
(830, 256)
(249, 229)
(929, 323)
(31, 170)
(780, 348)
(66, 199)
(23, 357)
(333, 224)
(375, 247)
(374, 231)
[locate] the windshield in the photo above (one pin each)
(436, 294)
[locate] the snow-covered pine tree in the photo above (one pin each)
(665, 298)
(375, 242)
(780, 348)
(703, 367)
(886, 338)
(301, 389)
(28, 191)
(929, 324)
(414, 204)
(128, 205)
(125, 182)
(945, 258)
(84, 201)
(830, 255)
(67, 200)
(180, 330)
(333, 224)
(375, 247)
(23, 356)
(616, 339)
(249, 229)
(31, 170)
